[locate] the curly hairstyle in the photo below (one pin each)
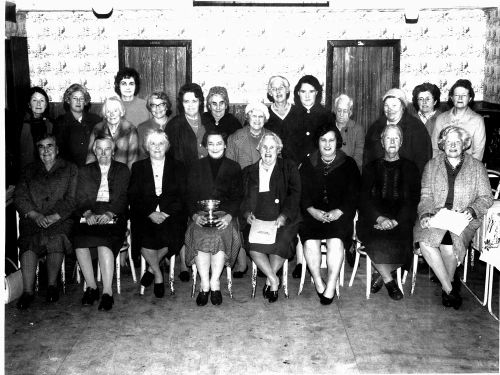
(426, 86)
(127, 73)
(466, 84)
(71, 90)
(196, 90)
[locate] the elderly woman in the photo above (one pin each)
(156, 195)
(281, 111)
(211, 245)
(161, 108)
(461, 97)
(353, 135)
(272, 194)
(123, 133)
(101, 202)
(127, 86)
(218, 116)
(457, 181)
(330, 187)
(36, 123)
(426, 100)
(416, 143)
(387, 210)
(45, 200)
(242, 148)
(76, 125)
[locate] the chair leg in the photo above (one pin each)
(285, 278)
(63, 274)
(414, 273)
(400, 285)
(36, 275)
(171, 275)
(491, 270)
(302, 275)
(118, 269)
(254, 278)
(466, 264)
(98, 272)
(342, 272)
(77, 270)
(142, 272)
(132, 265)
(229, 281)
(194, 274)
(355, 268)
(368, 276)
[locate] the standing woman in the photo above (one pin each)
(127, 86)
(101, 208)
(426, 100)
(330, 186)
(281, 115)
(456, 181)
(461, 97)
(161, 108)
(123, 133)
(36, 123)
(45, 200)
(218, 116)
(210, 248)
(272, 193)
(156, 194)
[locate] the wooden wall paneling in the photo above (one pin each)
(157, 72)
(145, 71)
(170, 64)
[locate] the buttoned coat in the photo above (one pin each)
(472, 189)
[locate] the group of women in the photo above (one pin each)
(291, 176)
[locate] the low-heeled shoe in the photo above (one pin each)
(240, 274)
(272, 295)
(297, 271)
(52, 293)
(147, 279)
(377, 283)
(393, 290)
(90, 296)
(216, 297)
(325, 300)
(202, 298)
(159, 290)
(184, 276)
(106, 303)
(25, 301)
(452, 300)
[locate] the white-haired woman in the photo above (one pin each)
(156, 195)
(101, 208)
(281, 114)
(242, 148)
(272, 193)
(123, 133)
(456, 181)
(353, 135)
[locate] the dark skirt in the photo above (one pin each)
(109, 235)
(169, 234)
(312, 229)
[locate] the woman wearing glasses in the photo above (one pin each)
(461, 97)
(161, 108)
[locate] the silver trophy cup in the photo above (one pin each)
(209, 206)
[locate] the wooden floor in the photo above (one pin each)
(145, 335)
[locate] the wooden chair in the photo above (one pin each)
(170, 274)
(284, 278)
(194, 270)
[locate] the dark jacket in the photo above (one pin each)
(142, 195)
(227, 186)
(416, 145)
(89, 180)
(228, 124)
(32, 129)
(73, 136)
(284, 185)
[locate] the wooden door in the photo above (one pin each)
(364, 70)
(164, 65)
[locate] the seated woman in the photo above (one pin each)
(272, 193)
(101, 202)
(453, 180)
(156, 194)
(387, 209)
(214, 177)
(45, 200)
(330, 188)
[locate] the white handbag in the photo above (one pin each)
(13, 284)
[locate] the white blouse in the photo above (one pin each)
(103, 192)
(264, 176)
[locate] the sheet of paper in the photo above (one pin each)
(450, 220)
(263, 232)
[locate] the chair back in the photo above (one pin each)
(494, 177)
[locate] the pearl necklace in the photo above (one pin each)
(328, 162)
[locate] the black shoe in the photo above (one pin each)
(202, 298)
(452, 300)
(147, 279)
(265, 291)
(350, 256)
(216, 297)
(297, 271)
(107, 302)
(159, 290)
(325, 300)
(272, 296)
(90, 296)
(377, 283)
(25, 301)
(393, 290)
(240, 274)
(184, 276)
(52, 293)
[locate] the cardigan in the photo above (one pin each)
(136, 111)
(353, 141)
(470, 121)
(89, 179)
(142, 131)
(416, 145)
(472, 189)
(278, 125)
(240, 147)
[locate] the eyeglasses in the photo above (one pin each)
(276, 89)
(77, 99)
(48, 147)
(424, 100)
(453, 143)
(460, 96)
(342, 111)
(158, 106)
